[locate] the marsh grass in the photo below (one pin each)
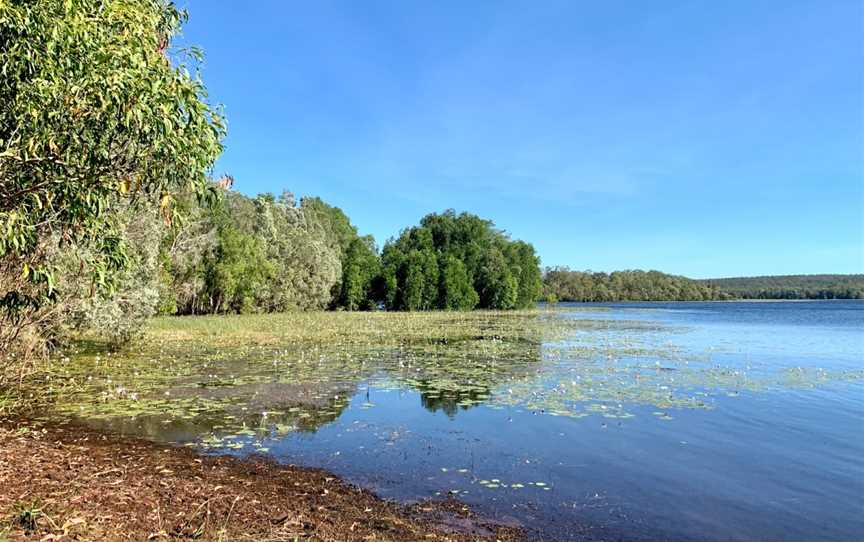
(361, 328)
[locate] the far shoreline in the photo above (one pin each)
(750, 300)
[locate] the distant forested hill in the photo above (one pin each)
(791, 287)
(563, 284)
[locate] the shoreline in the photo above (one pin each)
(67, 482)
(749, 300)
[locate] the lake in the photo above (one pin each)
(643, 421)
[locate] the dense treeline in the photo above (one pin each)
(237, 254)
(792, 287)
(231, 253)
(269, 254)
(458, 262)
(261, 254)
(562, 284)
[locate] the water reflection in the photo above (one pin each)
(449, 401)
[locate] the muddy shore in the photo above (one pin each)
(66, 482)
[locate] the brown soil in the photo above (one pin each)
(64, 482)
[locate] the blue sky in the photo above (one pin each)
(700, 138)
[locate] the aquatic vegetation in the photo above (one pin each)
(238, 382)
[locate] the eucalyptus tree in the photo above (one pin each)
(96, 108)
(303, 250)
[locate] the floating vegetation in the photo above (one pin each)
(237, 382)
(495, 483)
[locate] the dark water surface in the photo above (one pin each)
(656, 421)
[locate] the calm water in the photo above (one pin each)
(653, 421)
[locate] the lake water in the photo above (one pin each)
(648, 421)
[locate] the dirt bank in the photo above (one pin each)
(64, 482)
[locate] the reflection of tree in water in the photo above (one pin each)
(460, 376)
(449, 401)
(180, 397)
(192, 413)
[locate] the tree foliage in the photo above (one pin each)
(119, 314)
(360, 268)
(237, 273)
(792, 287)
(281, 255)
(97, 115)
(459, 261)
(93, 113)
(563, 284)
(560, 283)
(457, 292)
(304, 253)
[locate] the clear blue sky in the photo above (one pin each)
(701, 138)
